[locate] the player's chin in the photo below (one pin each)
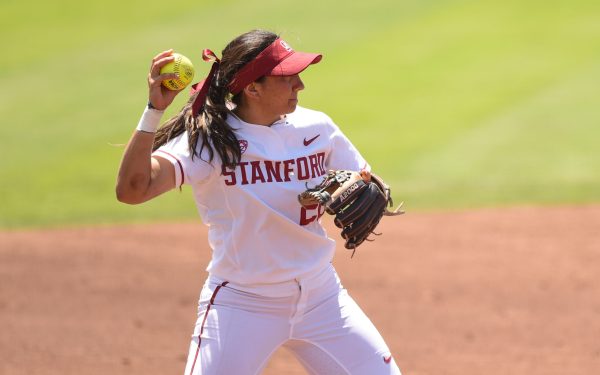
(292, 104)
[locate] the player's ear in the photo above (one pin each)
(252, 90)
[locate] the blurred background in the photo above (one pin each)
(456, 103)
(462, 106)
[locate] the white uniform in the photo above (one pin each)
(271, 281)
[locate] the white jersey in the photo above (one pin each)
(258, 231)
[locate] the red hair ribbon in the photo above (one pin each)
(202, 87)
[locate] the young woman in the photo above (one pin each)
(247, 150)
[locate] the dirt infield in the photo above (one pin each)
(511, 291)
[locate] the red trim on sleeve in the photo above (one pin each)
(178, 163)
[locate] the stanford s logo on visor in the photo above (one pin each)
(285, 45)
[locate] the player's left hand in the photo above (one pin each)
(357, 199)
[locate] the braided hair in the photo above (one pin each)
(217, 135)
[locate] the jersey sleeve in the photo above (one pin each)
(343, 154)
(187, 170)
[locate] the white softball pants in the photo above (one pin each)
(240, 327)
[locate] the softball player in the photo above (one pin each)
(247, 149)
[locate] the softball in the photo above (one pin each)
(181, 66)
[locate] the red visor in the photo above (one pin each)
(278, 59)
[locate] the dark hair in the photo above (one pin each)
(210, 123)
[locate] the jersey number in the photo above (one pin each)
(311, 213)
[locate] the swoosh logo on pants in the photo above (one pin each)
(307, 142)
(387, 359)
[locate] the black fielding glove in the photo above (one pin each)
(358, 201)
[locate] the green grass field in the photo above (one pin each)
(457, 104)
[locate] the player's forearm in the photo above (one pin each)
(135, 173)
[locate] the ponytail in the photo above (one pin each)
(210, 122)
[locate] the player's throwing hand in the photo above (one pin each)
(159, 96)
